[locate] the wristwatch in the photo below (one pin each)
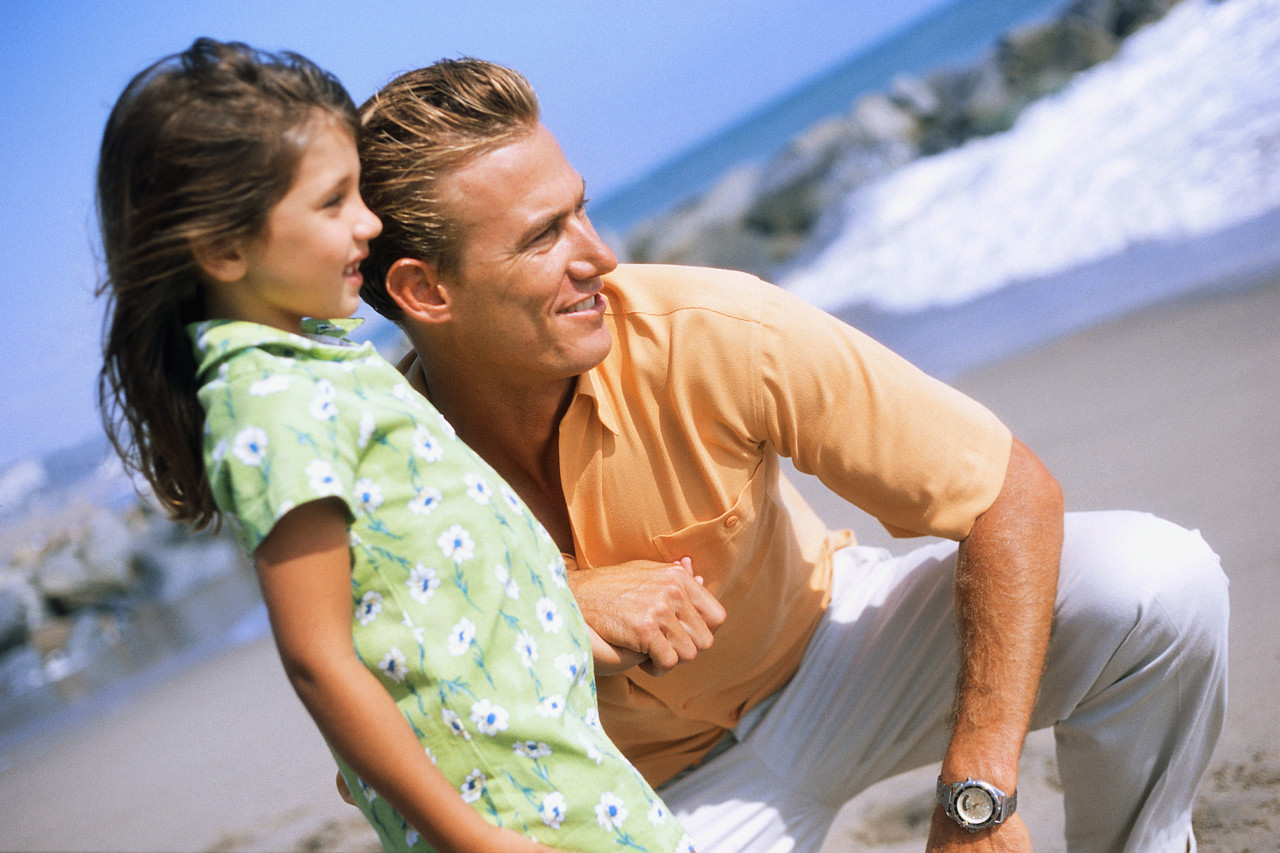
(975, 804)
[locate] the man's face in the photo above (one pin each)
(526, 290)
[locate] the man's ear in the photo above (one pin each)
(417, 288)
(224, 262)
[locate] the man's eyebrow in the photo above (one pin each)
(550, 219)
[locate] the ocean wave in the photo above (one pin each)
(1176, 137)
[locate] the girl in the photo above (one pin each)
(420, 611)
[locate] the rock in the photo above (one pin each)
(21, 671)
(972, 102)
(706, 231)
(14, 625)
(176, 568)
(827, 162)
(1040, 59)
(787, 200)
(1119, 17)
(94, 565)
(915, 96)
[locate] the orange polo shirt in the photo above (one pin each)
(670, 449)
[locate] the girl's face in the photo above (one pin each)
(306, 261)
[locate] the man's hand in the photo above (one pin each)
(659, 610)
(946, 836)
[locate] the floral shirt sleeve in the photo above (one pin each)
(274, 439)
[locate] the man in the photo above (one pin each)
(780, 669)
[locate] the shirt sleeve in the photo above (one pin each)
(275, 440)
(916, 454)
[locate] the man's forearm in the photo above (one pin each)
(1006, 584)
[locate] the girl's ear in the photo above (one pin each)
(224, 262)
(419, 291)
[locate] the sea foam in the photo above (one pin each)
(1176, 137)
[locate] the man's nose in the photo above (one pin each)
(592, 256)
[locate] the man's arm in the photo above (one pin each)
(1006, 584)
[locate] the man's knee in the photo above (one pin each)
(1132, 568)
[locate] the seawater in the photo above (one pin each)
(951, 36)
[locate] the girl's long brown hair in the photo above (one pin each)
(197, 150)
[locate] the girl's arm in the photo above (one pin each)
(304, 568)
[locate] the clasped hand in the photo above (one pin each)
(655, 615)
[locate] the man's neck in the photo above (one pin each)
(514, 427)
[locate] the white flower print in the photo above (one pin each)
(324, 481)
(592, 750)
(323, 407)
(551, 707)
(426, 446)
(447, 427)
(658, 813)
(531, 749)
(509, 583)
(425, 500)
(488, 717)
(477, 488)
(250, 446)
(558, 574)
(610, 811)
(367, 425)
(685, 844)
(422, 583)
(411, 837)
(569, 665)
(473, 787)
(369, 494)
(548, 616)
(369, 794)
(419, 634)
(461, 636)
(219, 451)
(511, 498)
(269, 385)
(401, 391)
(393, 665)
(369, 607)
(456, 544)
(592, 716)
(553, 809)
(455, 724)
(527, 648)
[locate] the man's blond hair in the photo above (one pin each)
(416, 130)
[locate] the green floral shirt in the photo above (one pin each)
(460, 604)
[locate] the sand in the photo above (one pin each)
(1172, 410)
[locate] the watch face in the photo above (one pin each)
(975, 806)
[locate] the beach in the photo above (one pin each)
(1172, 409)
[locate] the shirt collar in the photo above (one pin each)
(589, 385)
(217, 340)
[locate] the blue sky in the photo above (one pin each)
(624, 86)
